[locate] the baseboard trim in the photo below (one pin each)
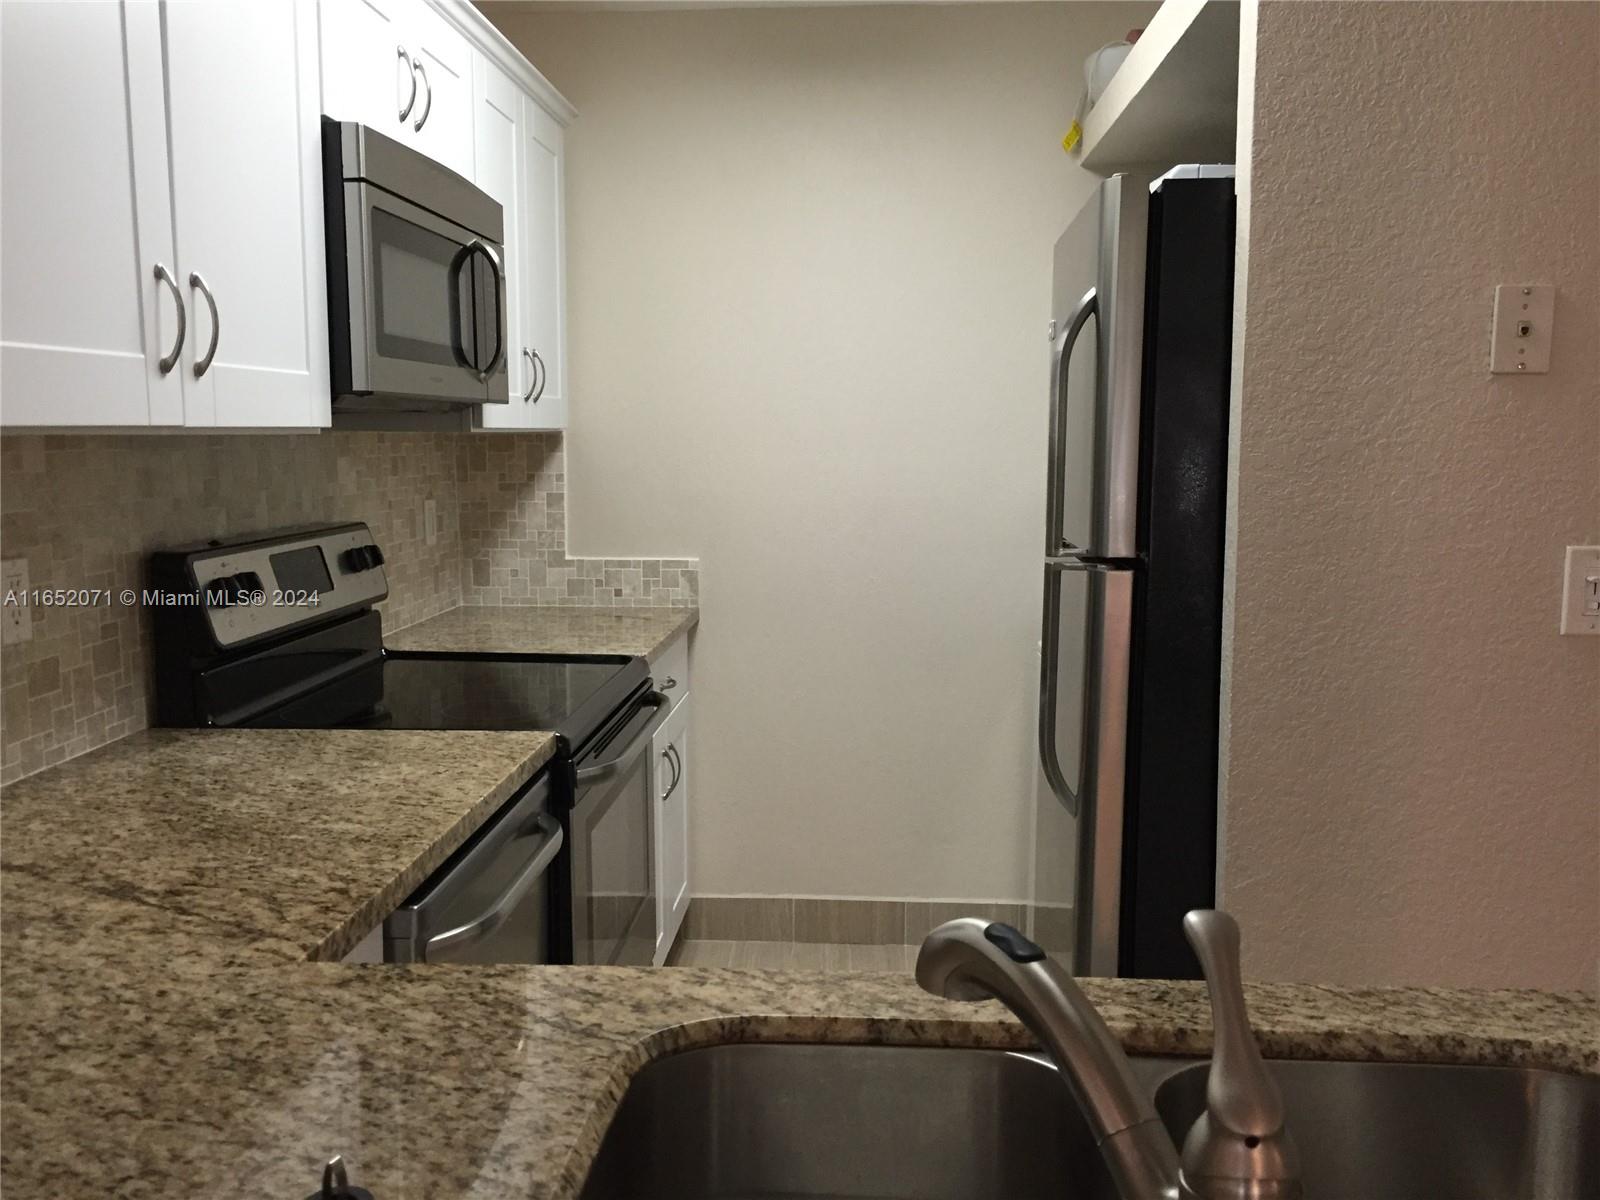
(834, 919)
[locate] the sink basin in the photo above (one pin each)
(1395, 1131)
(896, 1123)
(863, 1122)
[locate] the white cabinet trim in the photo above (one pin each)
(481, 31)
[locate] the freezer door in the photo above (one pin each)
(1083, 723)
(1097, 330)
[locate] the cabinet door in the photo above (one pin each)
(441, 125)
(670, 755)
(84, 218)
(544, 262)
(367, 71)
(247, 207)
(497, 130)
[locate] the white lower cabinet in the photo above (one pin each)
(671, 788)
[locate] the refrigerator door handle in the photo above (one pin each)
(1055, 538)
(1050, 693)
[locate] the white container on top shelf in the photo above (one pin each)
(1175, 97)
(192, 293)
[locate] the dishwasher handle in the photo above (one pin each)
(624, 759)
(482, 926)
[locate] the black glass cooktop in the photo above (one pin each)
(435, 691)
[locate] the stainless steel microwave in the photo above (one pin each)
(416, 279)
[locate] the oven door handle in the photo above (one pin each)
(483, 926)
(626, 758)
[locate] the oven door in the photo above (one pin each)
(491, 901)
(427, 308)
(611, 839)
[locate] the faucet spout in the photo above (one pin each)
(969, 959)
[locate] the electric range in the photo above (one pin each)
(280, 630)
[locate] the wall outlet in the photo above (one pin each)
(1580, 591)
(430, 520)
(1524, 324)
(16, 618)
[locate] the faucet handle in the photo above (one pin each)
(1239, 1146)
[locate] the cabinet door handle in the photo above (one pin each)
(667, 684)
(204, 365)
(533, 374)
(170, 360)
(543, 375)
(670, 754)
(427, 103)
(411, 72)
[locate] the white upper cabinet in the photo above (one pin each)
(178, 177)
(519, 164)
(442, 124)
(497, 129)
(398, 67)
(544, 261)
(247, 207)
(368, 74)
(84, 320)
(161, 199)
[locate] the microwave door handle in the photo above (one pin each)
(481, 246)
(1055, 535)
(482, 926)
(625, 758)
(466, 302)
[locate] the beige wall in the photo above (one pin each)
(1413, 789)
(809, 280)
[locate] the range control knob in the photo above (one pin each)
(226, 591)
(362, 558)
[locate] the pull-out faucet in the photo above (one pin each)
(1237, 1150)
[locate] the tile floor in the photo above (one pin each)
(792, 956)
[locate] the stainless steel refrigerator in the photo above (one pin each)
(1126, 809)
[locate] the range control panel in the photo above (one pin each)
(248, 588)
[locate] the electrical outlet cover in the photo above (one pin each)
(1580, 591)
(16, 618)
(1524, 325)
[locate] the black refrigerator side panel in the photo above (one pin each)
(1170, 823)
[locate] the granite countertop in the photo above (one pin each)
(293, 842)
(168, 1030)
(509, 629)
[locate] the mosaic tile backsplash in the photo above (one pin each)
(514, 539)
(84, 511)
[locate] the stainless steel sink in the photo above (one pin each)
(890, 1123)
(863, 1122)
(1392, 1131)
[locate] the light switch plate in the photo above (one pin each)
(1580, 591)
(1524, 321)
(16, 618)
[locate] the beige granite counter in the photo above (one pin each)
(164, 1035)
(294, 839)
(530, 630)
